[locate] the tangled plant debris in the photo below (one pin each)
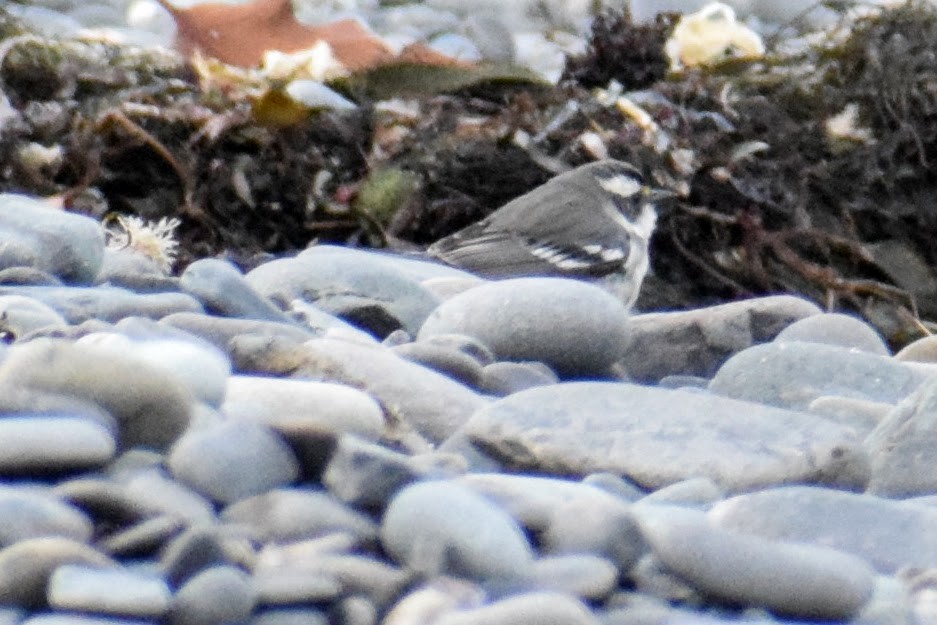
(809, 170)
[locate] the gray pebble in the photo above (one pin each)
(114, 591)
(574, 327)
(151, 405)
(579, 428)
(289, 616)
(25, 514)
(50, 444)
(864, 525)
(360, 287)
(452, 362)
(79, 619)
(298, 513)
(503, 378)
(141, 539)
(901, 447)
(698, 342)
(198, 548)
(286, 586)
(220, 594)
(433, 527)
(433, 404)
(543, 608)
(232, 460)
(581, 575)
(366, 474)
(303, 406)
(25, 567)
(803, 581)
(793, 374)
(697, 492)
(836, 329)
(357, 575)
(594, 525)
(20, 315)
(105, 303)
(65, 244)
(219, 331)
(223, 290)
(862, 415)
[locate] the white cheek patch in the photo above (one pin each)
(611, 254)
(621, 185)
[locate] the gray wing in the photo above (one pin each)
(504, 244)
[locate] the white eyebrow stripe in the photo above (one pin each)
(621, 185)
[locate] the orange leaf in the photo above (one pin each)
(240, 34)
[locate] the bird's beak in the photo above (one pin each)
(652, 194)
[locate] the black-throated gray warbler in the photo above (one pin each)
(593, 222)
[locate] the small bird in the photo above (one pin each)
(593, 223)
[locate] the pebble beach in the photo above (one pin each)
(350, 436)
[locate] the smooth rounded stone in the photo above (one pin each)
(889, 534)
(25, 567)
(357, 575)
(468, 345)
(454, 363)
(106, 303)
(232, 460)
(116, 591)
(289, 586)
(835, 329)
(367, 474)
(698, 342)
(789, 579)
(415, 267)
(298, 513)
(586, 576)
(433, 527)
(303, 406)
(354, 611)
(534, 500)
(11, 616)
(200, 366)
(160, 494)
(219, 331)
(444, 288)
(575, 327)
(102, 499)
(223, 290)
(594, 525)
(151, 405)
(793, 374)
(23, 315)
(504, 378)
(198, 548)
(437, 596)
(860, 414)
(217, 595)
(58, 618)
(543, 608)
(921, 350)
(27, 514)
(582, 427)
(25, 276)
(429, 402)
(693, 492)
(143, 538)
(902, 447)
(46, 444)
(289, 616)
(614, 485)
(65, 244)
(363, 288)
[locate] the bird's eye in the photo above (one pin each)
(622, 185)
